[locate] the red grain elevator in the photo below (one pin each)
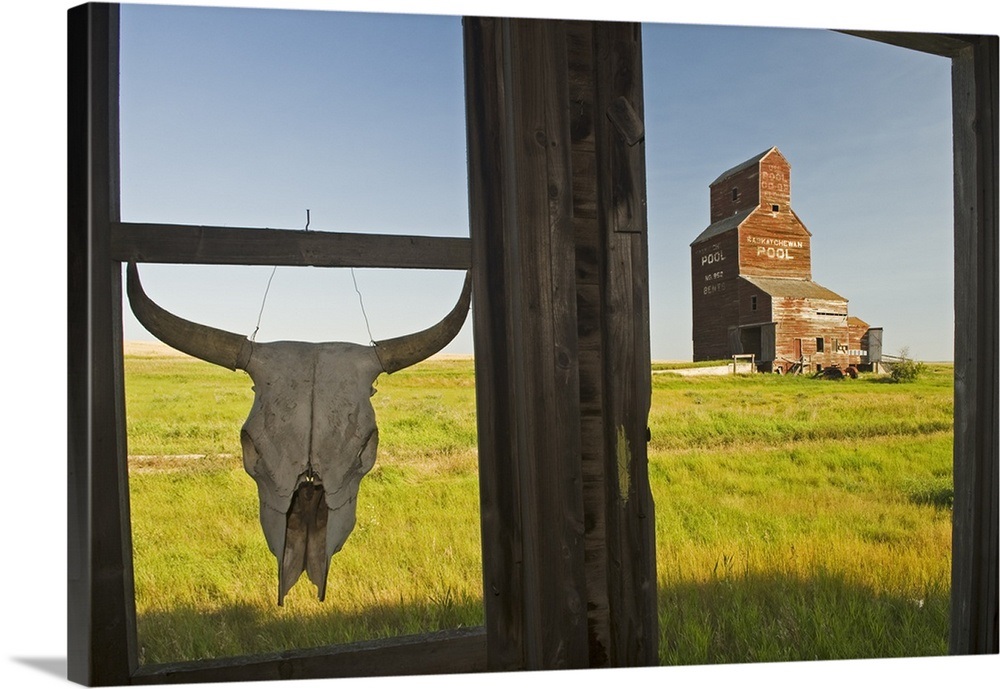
(752, 286)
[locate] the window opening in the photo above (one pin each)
(412, 595)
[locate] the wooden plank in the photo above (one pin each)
(580, 73)
(623, 192)
(499, 464)
(588, 250)
(101, 607)
(946, 45)
(589, 263)
(626, 120)
(153, 243)
(541, 258)
(452, 651)
(715, 294)
(974, 605)
(627, 385)
(974, 537)
(584, 170)
(590, 317)
(526, 343)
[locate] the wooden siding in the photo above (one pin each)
(775, 180)
(856, 330)
(748, 315)
(747, 184)
(775, 244)
(763, 183)
(805, 320)
(714, 273)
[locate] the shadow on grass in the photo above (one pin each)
(734, 617)
(750, 617)
(939, 493)
(186, 633)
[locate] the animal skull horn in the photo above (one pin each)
(400, 352)
(209, 344)
(310, 435)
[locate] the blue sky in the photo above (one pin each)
(867, 131)
(357, 118)
(250, 117)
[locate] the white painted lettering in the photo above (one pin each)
(714, 257)
(772, 252)
(773, 241)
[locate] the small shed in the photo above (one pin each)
(752, 286)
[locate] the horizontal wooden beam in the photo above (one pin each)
(452, 651)
(946, 45)
(157, 243)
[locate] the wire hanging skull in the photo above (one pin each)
(311, 434)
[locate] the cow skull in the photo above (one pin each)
(311, 434)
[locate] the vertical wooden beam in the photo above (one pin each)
(499, 516)
(974, 536)
(612, 313)
(557, 197)
(101, 615)
(590, 256)
(627, 384)
(526, 343)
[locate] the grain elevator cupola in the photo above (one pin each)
(752, 287)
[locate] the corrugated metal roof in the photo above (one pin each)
(724, 225)
(792, 287)
(742, 166)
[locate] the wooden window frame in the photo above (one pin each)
(974, 88)
(102, 625)
(102, 648)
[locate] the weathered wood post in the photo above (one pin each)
(558, 227)
(974, 607)
(101, 603)
(974, 89)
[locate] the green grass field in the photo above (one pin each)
(800, 519)
(796, 518)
